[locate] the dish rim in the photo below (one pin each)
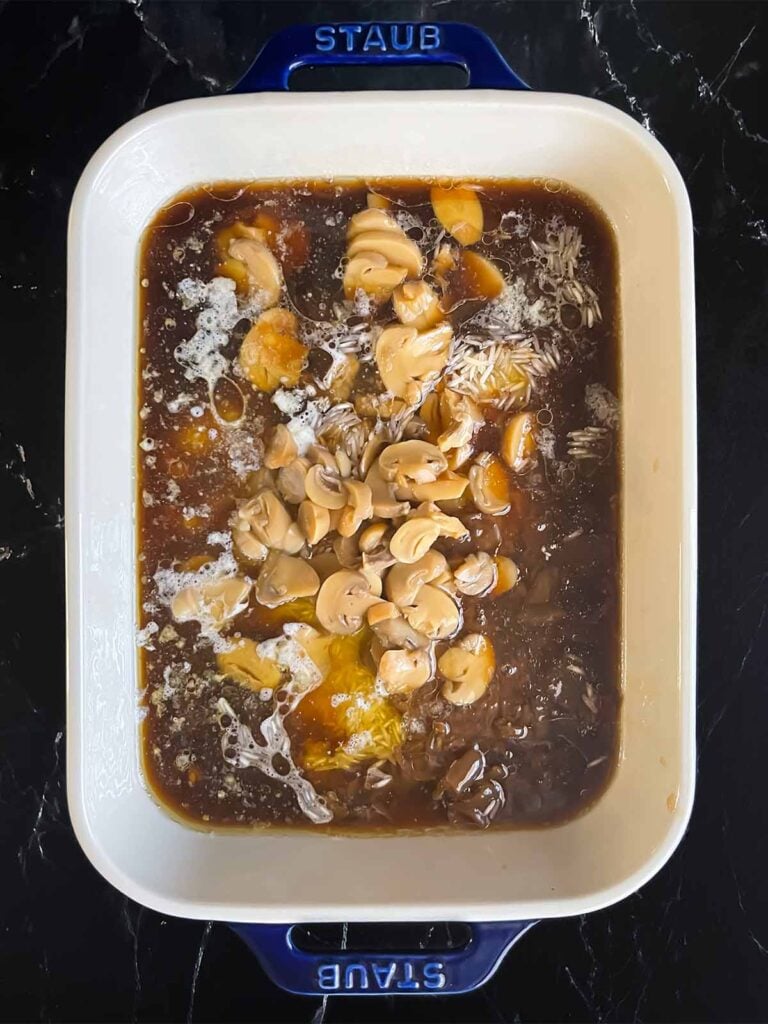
(565, 102)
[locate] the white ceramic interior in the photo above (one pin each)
(257, 876)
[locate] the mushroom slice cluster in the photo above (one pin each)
(408, 359)
(380, 256)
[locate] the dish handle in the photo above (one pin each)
(339, 972)
(374, 42)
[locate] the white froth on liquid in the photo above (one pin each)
(602, 404)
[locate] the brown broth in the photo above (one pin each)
(548, 723)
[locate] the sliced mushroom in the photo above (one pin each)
(407, 359)
(394, 246)
(372, 536)
(416, 305)
(314, 520)
(433, 613)
(476, 575)
(264, 274)
(271, 356)
(266, 517)
(371, 273)
(380, 255)
(412, 462)
(413, 539)
(447, 526)
(237, 230)
(283, 579)
(383, 500)
(211, 602)
(281, 450)
(359, 498)
(247, 545)
(459, 418)
(343, 601)
(343, 463)
(481, 278)
(292, 479)
(324, 487)
(489, 485)
(371, 219)
(481, 804)
(382, 612)
(507, 575)
(395, 633)
(404, 671)
(448, 487)
(468, 668)
(518, 442)
(460, 213)
(354, 514)
(404, 581)
(457, 457)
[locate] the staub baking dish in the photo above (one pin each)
(264, 882)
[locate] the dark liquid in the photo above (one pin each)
(548, 724)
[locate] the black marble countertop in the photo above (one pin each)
(693, 944)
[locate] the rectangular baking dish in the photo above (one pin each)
(291, 877)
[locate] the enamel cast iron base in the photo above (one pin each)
(359, 974)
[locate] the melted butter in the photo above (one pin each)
(346, 720)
